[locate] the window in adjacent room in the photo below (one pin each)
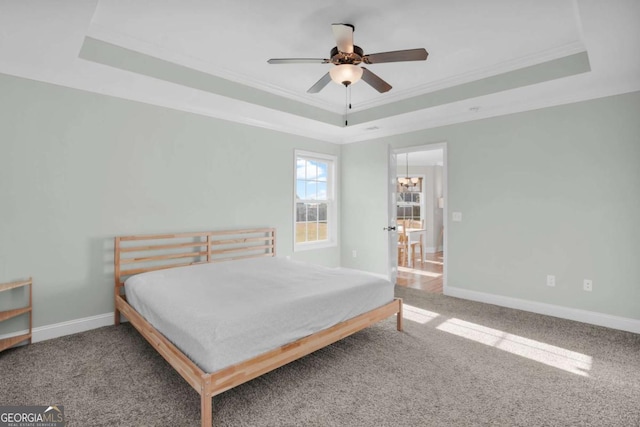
(314, 205)
(410, 201)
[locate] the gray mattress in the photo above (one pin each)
(224, 313)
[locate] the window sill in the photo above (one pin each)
(300, 247)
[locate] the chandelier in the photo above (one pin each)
(408, 181)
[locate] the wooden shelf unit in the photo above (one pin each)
(9, 314)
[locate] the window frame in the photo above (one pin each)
(331, 201)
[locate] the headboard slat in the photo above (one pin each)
(161, 247)
(161, 251)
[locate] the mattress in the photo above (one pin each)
(224, 313)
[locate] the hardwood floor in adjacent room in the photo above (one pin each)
(426, 276)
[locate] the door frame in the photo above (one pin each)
(445, 194)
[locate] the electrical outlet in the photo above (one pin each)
(551, 280)
(456, 216)
(587, 285)
(354, 253)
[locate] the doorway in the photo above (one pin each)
(419, 211)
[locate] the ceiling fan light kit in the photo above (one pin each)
(346, 74)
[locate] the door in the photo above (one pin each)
(392, 215)
(428, 155)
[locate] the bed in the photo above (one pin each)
(222, 309)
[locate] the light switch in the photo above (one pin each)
(456, 216)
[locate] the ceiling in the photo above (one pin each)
(485, 58)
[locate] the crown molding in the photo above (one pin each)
(126, 41)
(478, 74)
(101, 33)
(423, 119)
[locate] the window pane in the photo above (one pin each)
(312, 170)
(301, 232)
(312, 189)
(301, 192)
(322, 212)
(312, 232)
(312, 212)
(322, 171)
(322, 231)
(301, 212)
(322, 190)
(300, 168)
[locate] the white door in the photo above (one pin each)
(392, 216)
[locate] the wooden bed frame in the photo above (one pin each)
(138, 254)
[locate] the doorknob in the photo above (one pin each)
(391, 228)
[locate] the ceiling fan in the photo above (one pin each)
(347, 57)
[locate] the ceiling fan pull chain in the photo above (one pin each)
(346, 104)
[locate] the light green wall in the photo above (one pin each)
(77, 169)
(551, 191)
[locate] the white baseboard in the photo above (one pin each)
(47, 332)
(584, 316)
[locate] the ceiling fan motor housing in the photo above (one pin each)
(355, 58)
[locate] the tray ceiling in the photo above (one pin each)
(485, 58)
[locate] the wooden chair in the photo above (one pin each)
(405, 248)
(416, 224)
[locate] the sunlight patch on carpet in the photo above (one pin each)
(417, 315)
(558, 357)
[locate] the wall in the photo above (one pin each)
(551, 191)
(77, 169)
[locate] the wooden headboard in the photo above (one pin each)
(139, 254)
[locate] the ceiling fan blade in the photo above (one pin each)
(374, 81)
(343, 34)
(396, 56)
(298, 61)
(320, 84)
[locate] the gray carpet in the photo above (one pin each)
(428, 375)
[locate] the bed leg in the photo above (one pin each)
(399, 317)
(116, 318)
(206, 407)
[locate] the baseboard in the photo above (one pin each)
(584, 316)
(47, 332)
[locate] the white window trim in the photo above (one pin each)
(332, 208)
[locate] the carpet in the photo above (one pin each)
(458, 363)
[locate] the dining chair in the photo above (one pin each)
(403, 249)
(406, 247)
(418, 225)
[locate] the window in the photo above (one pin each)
(409, 201)
(314, 205)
